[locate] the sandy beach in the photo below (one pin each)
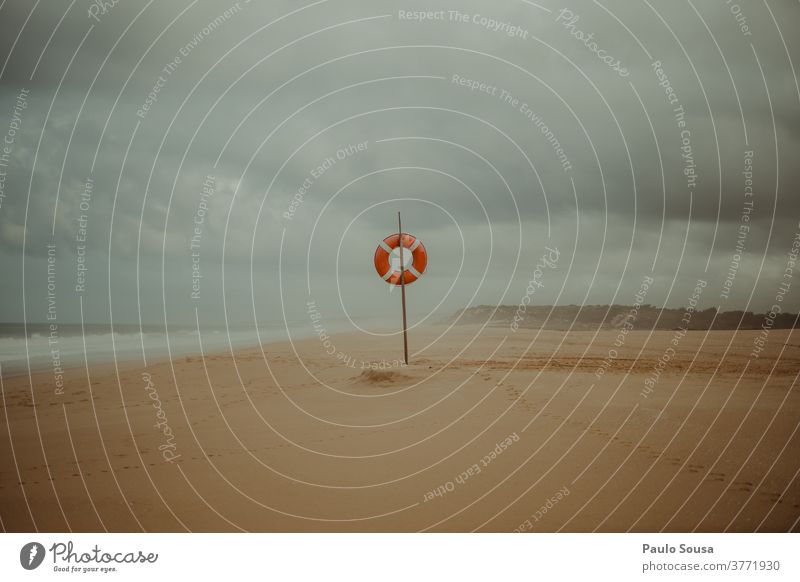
(486, 430)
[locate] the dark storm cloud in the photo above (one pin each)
(461, 151)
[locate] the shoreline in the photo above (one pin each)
(23, 368)
(181, 353)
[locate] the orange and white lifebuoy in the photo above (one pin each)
(390, 273)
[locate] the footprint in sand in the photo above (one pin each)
(716, 477)
(772, 497)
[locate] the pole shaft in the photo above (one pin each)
(403, 288)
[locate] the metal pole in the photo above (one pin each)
(403, 288)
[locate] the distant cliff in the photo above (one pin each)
(592, 317)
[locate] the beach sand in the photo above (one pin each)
(486, 430)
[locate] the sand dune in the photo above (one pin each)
(485, 430)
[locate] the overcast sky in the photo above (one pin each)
(263, 94)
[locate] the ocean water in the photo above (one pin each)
(73, 346)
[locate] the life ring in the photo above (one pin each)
(418, 263)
